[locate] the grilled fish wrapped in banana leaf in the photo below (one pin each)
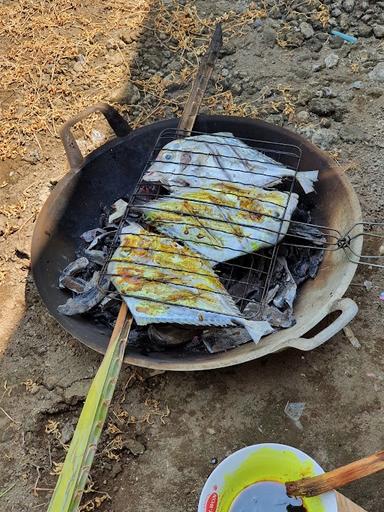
(199, 160)
(224, 222)
(164, 282)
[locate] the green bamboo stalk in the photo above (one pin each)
(73, 477)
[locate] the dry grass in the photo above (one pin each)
(41, 43)
(55, 59)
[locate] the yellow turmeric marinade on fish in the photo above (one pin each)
(162, 281)
(225, 221)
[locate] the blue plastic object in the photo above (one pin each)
(346, 37)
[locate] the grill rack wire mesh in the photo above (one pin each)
(240, 273)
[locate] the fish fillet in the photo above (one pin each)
(224, 222)
(164, 282)
(199, 160)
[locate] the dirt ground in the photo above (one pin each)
(166, 432)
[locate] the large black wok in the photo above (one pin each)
(113, 170)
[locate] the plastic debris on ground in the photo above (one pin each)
(294, 411)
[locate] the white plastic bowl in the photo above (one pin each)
(248, 466)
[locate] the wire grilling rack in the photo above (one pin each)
(248, 277)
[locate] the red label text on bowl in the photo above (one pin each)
(212, 501)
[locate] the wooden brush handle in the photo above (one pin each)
(313, 486)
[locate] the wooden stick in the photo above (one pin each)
(200, 83)
(336, 478)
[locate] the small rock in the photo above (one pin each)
(67, 432)
(325, 122)
(368, 285)
(302, 72)
(111, 44)
(115, 58)
(269, 35)
(211, 431)
(78, 67)
(237, 89)
(306, 29)
(135, 447)
(348, 5)
(336, 42)
(378, 30)
(214, 460)
(344, 21)
(357, 85)
(32, 156)
(377, 72)
(336, 12)
(315, 45)
(322, 106)
(117, 468)
(224, 72)
(331, 60)
(318, 66)
(129, 94)
(303, 116)
(364, 30)
(324, 137)
(128, 37)
(294, 39)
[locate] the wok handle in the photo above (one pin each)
(348, 308)
(118, 124)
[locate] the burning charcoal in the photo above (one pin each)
(119, 209)
(307, 232)
(270, 313)
(219, 340)
(167, 335)
(71, 270)
(92, 295)
(89, 236)
(75, 284)
(95, 256)
(102, 236)
(287, 289)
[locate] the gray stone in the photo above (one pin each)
(115, 58)
(336, 42)
(357, 85)
(117, 468)
(336, 12)
(344, 21)
(32, 156)
(378, 30)
(324, 137)
(364, 30)
(129, 94)
(315, 45)
(331, 60)
(269, 35)
(237, 89)
(303, 116)
(67, 433)
(224, 72)
(318, 66)
(135, 447)
(348, 5)
(322, 106)
(306, 29)
(377, 72)
(302, 72)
